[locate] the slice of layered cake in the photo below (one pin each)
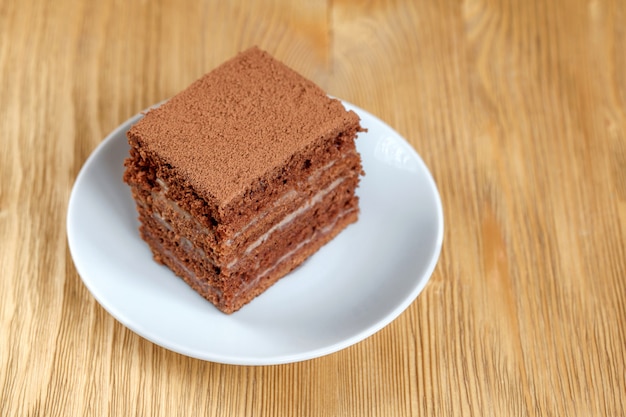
(242, 176)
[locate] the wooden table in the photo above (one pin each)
(519, 110)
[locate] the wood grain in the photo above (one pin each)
(519, 109)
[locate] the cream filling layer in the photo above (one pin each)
(294, 214)
(188, 272)
(289, 195)
(318, 234)
(160, 196)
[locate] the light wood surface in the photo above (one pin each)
(519, 109)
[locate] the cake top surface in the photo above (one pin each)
(238, 122)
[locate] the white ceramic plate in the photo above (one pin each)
(350, 289)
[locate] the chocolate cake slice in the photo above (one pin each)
(242, 176)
